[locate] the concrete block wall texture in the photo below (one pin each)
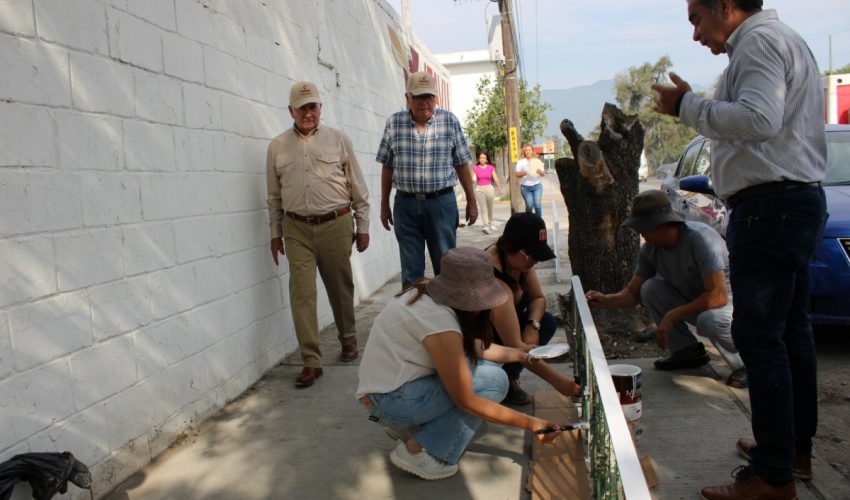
(137, 293)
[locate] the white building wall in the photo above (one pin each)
(137, 293)
(466, 69)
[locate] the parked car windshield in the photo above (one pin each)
(689, 159)
(838, 157)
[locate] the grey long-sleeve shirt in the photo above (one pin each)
(766, 120)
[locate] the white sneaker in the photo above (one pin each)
(421, 464)
(486, 230)
(493, 227)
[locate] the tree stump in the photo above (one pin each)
(598, 187)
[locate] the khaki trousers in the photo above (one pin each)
(485, 195)
(326, 247)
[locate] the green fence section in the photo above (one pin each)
(615, 470)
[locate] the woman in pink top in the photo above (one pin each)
(485, 175)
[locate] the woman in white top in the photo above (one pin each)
(429, 371)
(529, 170)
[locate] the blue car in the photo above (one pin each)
(692, 197)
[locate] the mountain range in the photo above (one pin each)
(581, 105)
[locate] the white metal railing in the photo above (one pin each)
(556, 229)
(615, 469)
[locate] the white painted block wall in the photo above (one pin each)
(137, 293)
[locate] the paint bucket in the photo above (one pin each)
(627, 383)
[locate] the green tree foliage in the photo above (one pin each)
(486, 126)
(838, 71)
(665, 136)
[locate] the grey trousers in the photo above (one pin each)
(658, 297)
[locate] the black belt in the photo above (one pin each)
(769, 188)
(425, 196)
(320, 219)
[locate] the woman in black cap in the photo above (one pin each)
(524, 322)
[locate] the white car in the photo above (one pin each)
(665, 171)
(643, 170)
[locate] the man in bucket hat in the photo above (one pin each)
(681, 276)
(314, 183)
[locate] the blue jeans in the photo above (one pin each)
(548, 325)
(444, 430)
(532, 196)
(771, 239)
(417, 222)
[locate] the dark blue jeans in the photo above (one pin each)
(548, 325)
(420, 222)
(771, 239)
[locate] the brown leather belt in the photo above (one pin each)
(320, 219)
(366, 402)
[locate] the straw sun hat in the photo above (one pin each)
(466, 281)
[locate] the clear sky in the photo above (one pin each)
(567, 43)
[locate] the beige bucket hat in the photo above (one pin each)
(466, 281)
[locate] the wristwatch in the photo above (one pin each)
(534, 323)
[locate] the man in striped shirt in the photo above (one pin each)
(424, 153)
(768, 159)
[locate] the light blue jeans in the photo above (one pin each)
(532, 196)
(443, 429)
(420, 222)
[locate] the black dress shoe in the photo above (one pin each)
(692, 356)
(308, 376)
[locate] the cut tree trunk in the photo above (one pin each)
(598, 187)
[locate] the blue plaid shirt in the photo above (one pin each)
(423, 163)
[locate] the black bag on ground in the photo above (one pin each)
(47, 473)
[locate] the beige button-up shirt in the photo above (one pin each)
(312, 175)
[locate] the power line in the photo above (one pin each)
(518, 39)
(536, 45)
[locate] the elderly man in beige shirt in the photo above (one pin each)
(314, 182)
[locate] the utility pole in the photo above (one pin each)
(408, 28)
(511, 75)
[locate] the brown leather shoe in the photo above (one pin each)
(349, 352)
(308, 376)
(801, 468)
(748, 486)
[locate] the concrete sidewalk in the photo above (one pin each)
(276, 441)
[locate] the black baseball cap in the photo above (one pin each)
(528, 231)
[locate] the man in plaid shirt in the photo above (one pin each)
(424, 153)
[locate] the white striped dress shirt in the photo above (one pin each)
(766, 120)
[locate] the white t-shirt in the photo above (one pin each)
(394, 353)
(530, 166)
